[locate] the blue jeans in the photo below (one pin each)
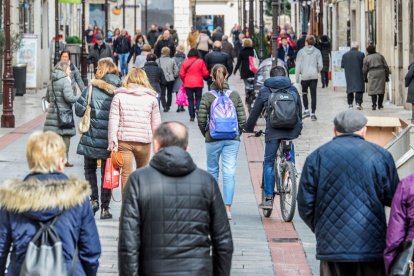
(271, 148)
(227, 150)
(123, 63)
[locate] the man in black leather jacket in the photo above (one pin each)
(172, 213)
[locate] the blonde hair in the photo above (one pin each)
(247, 42)
(219, 74)
(136, 76)
(106, 66)
(180, 48)
(45, 151)
(165, 51)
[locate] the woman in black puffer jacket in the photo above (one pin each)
(243, 60)
(155, 74)
(93, 144)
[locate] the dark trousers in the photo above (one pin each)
(202, 54)
(324, 78)
(193, 93)
(167, 89)
(354, 269)
(90, 175)
(358, 97)
(380, 99)
(311, 84)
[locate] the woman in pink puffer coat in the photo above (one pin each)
(133, 118)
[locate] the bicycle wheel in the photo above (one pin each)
(288, 191)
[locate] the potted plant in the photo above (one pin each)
(73, 45)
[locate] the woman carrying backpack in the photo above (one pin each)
(47, 195)
(226, 105)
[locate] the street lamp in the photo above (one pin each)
(106, 18)
(56, 32)
(251, 21)
(275, 15)
(261, 31)
(84, 66)
(7, 119)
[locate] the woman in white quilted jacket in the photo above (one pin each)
(133, 118)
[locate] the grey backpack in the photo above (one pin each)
(44, 255)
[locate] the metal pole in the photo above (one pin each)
(135, 16)
(244, 16)
(106, 18)
(84, 66)
(261, 32)
(251, 21)
(146, 16)
(123, 14)
(7, 118)
(275, 15)
(56, 32)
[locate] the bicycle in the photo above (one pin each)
(285, 179)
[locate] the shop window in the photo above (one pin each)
(26, 21)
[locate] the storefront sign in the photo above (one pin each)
(338, 73)
(27, 54)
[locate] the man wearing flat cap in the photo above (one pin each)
(344, 186)
(99, 50)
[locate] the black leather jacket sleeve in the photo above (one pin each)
(259, 103)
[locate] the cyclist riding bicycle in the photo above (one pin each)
(277, 82)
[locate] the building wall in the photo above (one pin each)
(182, 20)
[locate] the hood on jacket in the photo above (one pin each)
(136, 89)
(173, 161)
(42, 200)
(411, 65)
(278, 82)
(58, 74)
(108, 83)
(214, 85)
(309, 50)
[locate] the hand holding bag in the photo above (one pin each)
(112, 176)
(182, 97)
(64, 117)
(254, 62)
(85, 122)
(403, 264)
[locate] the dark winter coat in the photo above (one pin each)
(179, 59)
(75, 78)
(409, 77)
(155, 75)
(300, 43)
(94, 143)
(342, 192)
(193, 72)
(325, 48)
(96, 53)
(122, 45)
(135, 51)
(376, 73)
(204, 112)
(243, 63)
(281, 53)
(218, 57)
(352, 62)
(164, 43)
(172, 216)
(217, 36)
(401, 223)
(262, 102)
(41, 197)
(64, 99)
(227, 48)
(152, 37)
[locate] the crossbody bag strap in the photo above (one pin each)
(188, 68)
(54, 96)
(89, 96)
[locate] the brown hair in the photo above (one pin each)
(247, 42)
(219, 74)
(165, 51)
(137, 76)
(106, 66)
(310, 39)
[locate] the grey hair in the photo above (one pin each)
(354, 44)
(62, 66)
(225, 37)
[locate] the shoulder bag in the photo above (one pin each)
(64, 117)
(85, 122)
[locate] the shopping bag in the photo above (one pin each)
(182, 97)
(112, 176)
(330, 75)
(254, 62)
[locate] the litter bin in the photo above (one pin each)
(19, 75)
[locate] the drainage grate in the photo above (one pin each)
(256, 162)
(285, 240)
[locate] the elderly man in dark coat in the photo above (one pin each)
(352, 62)
(342, 192)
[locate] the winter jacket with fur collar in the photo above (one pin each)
(94, 143)
(41, 197)
(134, 115)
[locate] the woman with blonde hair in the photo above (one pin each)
(47, 196)
(133, 118)
(93, 144)
(243, 60)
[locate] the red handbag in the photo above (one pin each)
(112, 176)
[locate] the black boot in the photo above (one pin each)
(105, 214)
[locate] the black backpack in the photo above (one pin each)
(282, 109)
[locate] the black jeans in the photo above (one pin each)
(90, 175)
(311, 84)
(352, 268)
(168, 87)
(358, 97)
(193, 93)
(380, 98)
(324, 78)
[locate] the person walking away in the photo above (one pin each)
(352, 62)
(343, 188)
(217, 35)
(155, 75)
(142, 58)
(325, 48)
(98, 51)
(192, 38)
(47, 195)
(117, 33)
(179, 59)
(308, 66)
(133, 118)
(376, 74)
(192, 73)
(122, 47)
(136, 49)
(60, 96)
(75, 76)
(300, 43)
(225, 147)
(164, 41)
(286, 53)
(152, 35)
(204, 43)
(170, 69)
(243, 61)
(174, 35)
(277, 82)
(409, 77)
(93, 144)
(217, 57)
(227, 47)
(203, 243)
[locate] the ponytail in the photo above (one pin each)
(219, 74)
